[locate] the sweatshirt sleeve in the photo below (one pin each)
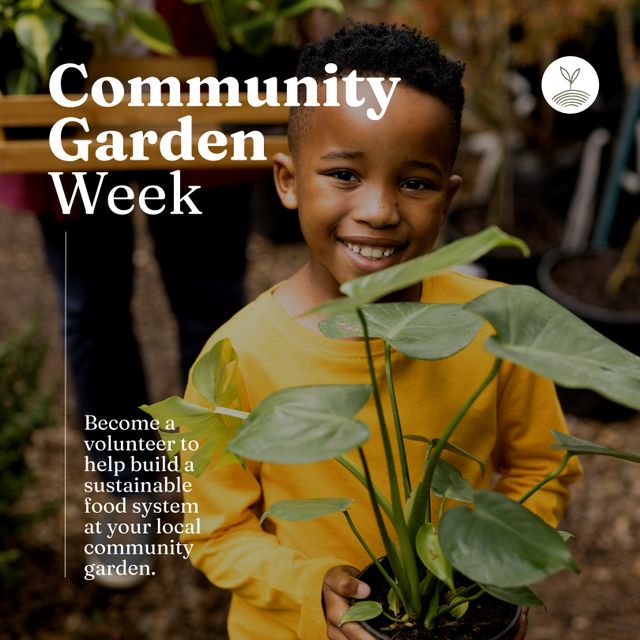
(237, 554)
(528, 411)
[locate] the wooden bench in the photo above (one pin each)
(35, 156)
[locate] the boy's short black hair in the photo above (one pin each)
(384, 50)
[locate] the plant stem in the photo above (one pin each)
(383, 571)
(389, 617)
(441, 510)
(234, 413)
(404, 466)
(351, 468)
(425, 583)
(437, 450)
(549, 478)
(458, 602)
(214, 14)
(405, 543)
(384, 432)
(390, 549)
(459, 593)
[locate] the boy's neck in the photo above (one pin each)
(298, 294)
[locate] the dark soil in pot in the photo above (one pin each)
(534, 224)
(577, 281)
(486, 619)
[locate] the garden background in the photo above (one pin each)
(540, 160)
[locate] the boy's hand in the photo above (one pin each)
(340, 584)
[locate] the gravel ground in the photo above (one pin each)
(601, 604)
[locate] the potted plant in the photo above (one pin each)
(438, 567)
(36, 35)
(610, 304)
(254, 27)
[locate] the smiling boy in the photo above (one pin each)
(369, 194)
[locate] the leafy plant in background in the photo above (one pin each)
(254, 25)
(500, 36)
(494, 541)
(36, 27)
(23, 409)
(629, 264)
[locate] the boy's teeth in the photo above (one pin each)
(370, 252)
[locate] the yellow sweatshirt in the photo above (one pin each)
(275, 573)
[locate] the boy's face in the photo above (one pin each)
(370, 194)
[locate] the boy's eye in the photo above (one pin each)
(417, 184)
(343, 175)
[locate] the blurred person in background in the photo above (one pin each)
(201, 259)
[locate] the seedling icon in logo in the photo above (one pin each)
(567, 70)
(570, 97)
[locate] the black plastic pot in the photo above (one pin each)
(621, 326)
(379, 588)
(534, 224)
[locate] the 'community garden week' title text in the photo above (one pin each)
(180, 143)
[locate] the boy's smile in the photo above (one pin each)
(369, 194)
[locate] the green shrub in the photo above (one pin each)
(24, 407)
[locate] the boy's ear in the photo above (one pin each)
(455, 181)
(284, 175)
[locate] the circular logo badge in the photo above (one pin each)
(570, 84)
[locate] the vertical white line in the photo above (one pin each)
(65, 411)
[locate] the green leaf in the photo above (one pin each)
(423, 331)
(461, 609)
(449, 446)
(152, 31)
(565, 535)
(174, 408)
(448, 482)
(501, 543)
(300, 8)
(376, 285)
(576, 446)
(38, 34)
(202, 458)
(360, 611)
(94, 11)
(519, 595)
(304, 424)
(303, 510)
(429, 551)
(182, 414)
(215, 375)
(192, 422)
(394, 602)
(534, 331)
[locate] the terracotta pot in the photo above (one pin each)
(514, 629)
(621, 326)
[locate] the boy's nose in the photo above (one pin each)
(378, 208)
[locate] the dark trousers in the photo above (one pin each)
(202, 261)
